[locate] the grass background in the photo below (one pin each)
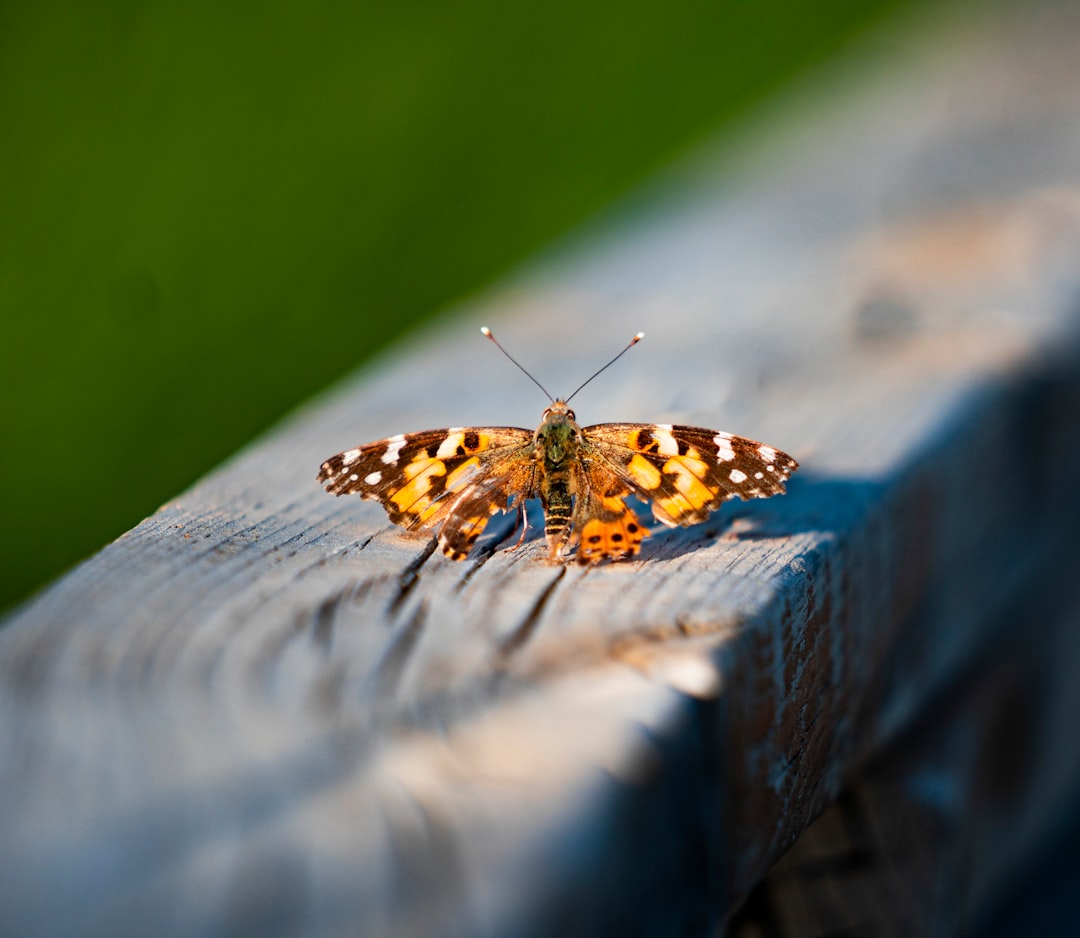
(193, 195)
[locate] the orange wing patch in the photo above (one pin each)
(689, 475)
(613, 538)
(644, 472)
(412, 497)
(693, 493)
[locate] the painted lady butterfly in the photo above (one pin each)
(454, 480)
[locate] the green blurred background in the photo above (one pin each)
(193, 196)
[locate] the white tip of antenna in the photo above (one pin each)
(486, 331)
(639, 337)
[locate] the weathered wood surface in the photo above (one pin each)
(967, 822)
(267, 710)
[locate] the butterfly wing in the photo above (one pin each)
(454, 479)
(688, 472)
(604, 526)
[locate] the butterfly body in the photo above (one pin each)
(452, 481)
(557, 448)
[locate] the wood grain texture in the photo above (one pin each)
(266, 710)
(968, 812)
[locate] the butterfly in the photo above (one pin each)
(454, 480)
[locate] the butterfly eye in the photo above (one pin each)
(571, 415)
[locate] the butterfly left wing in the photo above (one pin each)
(454, 479)
(688, 472)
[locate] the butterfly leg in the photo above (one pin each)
(523, 520)
(555, 547)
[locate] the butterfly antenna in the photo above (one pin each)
(634, 341)
(487, 332)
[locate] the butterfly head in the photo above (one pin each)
(559, 412)
(558, 435)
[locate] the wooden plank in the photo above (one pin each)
(265, 709)
(969, 807)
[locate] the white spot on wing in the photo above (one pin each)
(353, 477)
(449, 446)
(393, 447)
(737, 476)
(724, 452)
(373, 478)
(665, 442)
(767, 453)
(349, 457)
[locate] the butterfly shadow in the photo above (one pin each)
(504, 530)
(812, 503)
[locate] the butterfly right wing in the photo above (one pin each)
(685, 472)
